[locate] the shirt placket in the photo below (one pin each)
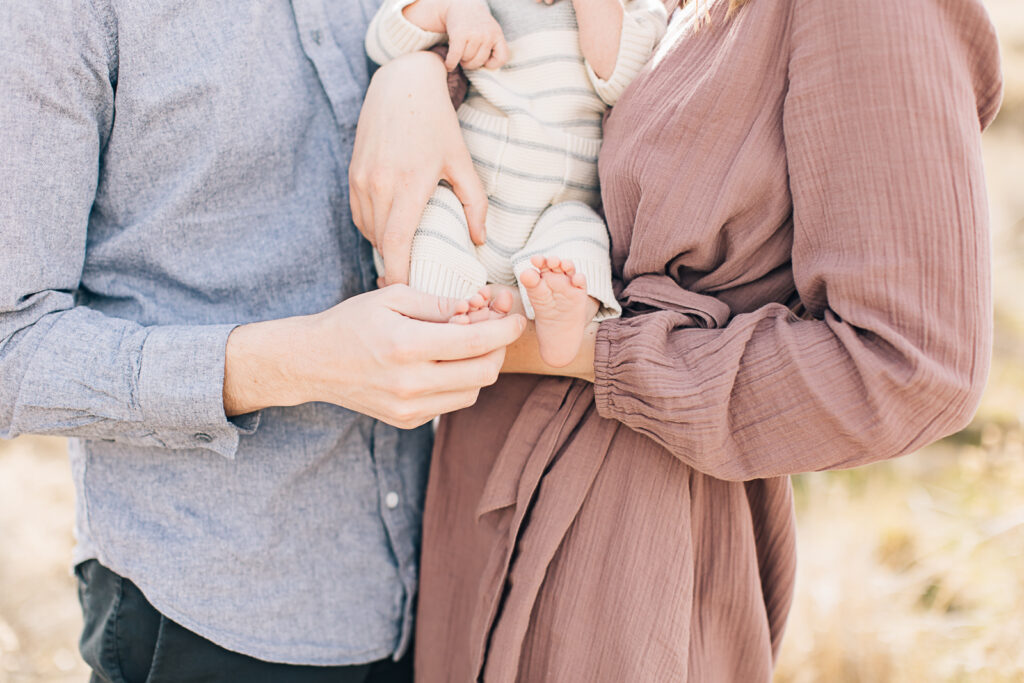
(343, 87)
(394, 501)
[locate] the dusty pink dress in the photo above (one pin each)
(798, 218)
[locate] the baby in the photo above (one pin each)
(541, 78)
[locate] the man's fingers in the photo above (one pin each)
(418, 411)
(425, 380)
(467, 186)
(471, 373)
(422, 306)
(428, 340)
(458, 342)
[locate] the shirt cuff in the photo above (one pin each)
(602, 370)
(181, 389)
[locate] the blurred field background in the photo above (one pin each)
(910, 570)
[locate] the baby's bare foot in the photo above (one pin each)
(561, 307)
(491, 302)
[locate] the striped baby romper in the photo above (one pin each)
(533, 128)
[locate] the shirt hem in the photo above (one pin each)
(234, 644)
(275, 655)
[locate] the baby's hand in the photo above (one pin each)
(474, 38)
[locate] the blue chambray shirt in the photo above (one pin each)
(169, 170)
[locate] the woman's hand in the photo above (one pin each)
(408, 139)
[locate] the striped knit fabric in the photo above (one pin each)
(533, 128)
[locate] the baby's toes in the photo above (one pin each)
(579, 280)
(502, 302)
(477, 301)
(530, 278)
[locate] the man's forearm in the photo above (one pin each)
(600, 27)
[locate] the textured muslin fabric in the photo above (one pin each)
(799, 226)
(167, 172)
(533, 129)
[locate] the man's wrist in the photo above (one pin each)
(261, 368)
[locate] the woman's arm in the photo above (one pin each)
(617, 39)
(600, 25)
(890, 255)
(523, 355)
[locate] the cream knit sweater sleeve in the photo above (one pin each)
(643, 25)
(391, 35)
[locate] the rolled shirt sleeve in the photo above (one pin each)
(66, 369)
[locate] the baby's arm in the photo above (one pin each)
(391, 34)
(617, 40)
(600, 25)
(474, 38)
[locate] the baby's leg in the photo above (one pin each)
(443, 259)
(559, 301)
(561, 306)
(565, 277)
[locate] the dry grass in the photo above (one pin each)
(39, 616)
(910, 571)
(913, 570)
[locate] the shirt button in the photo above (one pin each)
(316, 36)
(203, 437)
(391, 500)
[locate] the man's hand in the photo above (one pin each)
(389, 354)
(408, 139)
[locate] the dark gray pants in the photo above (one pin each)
(125, 640)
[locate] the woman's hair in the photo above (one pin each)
(703, 6)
